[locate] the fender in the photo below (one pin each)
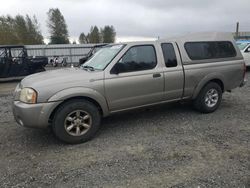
(205, 80)
(81, 92)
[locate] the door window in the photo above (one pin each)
(169, 55)
(137, 58)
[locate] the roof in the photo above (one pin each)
(194, 37)
(204, 36)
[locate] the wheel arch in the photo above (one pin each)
(80, 93)
(73, 98)
(219, 79)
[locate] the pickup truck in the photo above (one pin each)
(125, 76)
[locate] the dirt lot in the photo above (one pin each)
(167, 146)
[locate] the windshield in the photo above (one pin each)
(102, 57)
(242, 46)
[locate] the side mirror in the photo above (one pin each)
(248, 49)
(115, 69)
(118, 68)
(83, 60)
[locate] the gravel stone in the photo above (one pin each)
(165, 146)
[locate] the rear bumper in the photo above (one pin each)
(33, 115)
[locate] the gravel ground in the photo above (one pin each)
(165, 146)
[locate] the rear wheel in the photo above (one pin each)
(76, 121)
(209, 98)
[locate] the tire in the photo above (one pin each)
(72, 115)
(209, 98)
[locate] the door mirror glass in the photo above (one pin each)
(118, 68)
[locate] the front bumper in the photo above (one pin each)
(33, 115)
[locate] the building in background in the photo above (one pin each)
(242, 35)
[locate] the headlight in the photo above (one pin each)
(28, 95)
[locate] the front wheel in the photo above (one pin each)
(209, 98)
(76, 121)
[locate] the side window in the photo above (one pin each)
(210, 50)
(169, 54)
(137, 58)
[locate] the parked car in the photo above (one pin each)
(244, 47)
(92, 51)
(16, 64)
(120, 77)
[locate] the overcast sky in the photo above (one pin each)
(138, 19)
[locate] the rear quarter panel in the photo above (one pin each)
(197, 75)
(199, 72)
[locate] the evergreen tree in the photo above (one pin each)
(7, 31)
(19, 30)
(83, 39)
(108, 34)
(94, 35)
(35, 36)
(57, 27)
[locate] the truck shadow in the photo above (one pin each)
(140, 117)
(110, 125)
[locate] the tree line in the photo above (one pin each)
(20, 30)
(26, 30)
(96, 35)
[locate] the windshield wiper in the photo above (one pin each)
(89, 67)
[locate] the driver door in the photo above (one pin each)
(138, 80)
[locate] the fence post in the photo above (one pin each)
(70, 53)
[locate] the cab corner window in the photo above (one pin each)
(137, 58)
(169, 55)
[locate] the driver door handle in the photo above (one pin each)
(156, 75)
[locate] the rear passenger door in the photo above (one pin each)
(173, 72)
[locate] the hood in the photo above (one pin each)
(50, 82)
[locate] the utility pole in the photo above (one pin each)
(237, 30)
